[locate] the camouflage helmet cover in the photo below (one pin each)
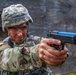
(15, 15)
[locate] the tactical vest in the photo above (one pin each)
(37, 71)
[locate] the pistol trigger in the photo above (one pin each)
(63, 46)
(56, 46)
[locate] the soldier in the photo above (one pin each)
(23, 54)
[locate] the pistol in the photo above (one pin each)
(64, 37)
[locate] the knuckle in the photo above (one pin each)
(41, 45)
(41, 51)
(40, 56)
(58, 54)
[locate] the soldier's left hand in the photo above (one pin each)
(49, 54)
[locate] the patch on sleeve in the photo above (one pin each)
(1, 43)
(3, 46)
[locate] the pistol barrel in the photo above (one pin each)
(65, 37)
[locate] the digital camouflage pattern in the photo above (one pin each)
(15, 15)
(14, 60)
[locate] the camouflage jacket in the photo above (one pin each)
(13, 61)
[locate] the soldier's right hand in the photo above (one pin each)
(49, 54)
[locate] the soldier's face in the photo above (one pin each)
(18, 33)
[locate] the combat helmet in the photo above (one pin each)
(14, 15)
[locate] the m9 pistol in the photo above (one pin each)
(65, 37)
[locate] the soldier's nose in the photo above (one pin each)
(19, 34)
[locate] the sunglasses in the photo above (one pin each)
(18, 27)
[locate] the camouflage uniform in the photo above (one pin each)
(13, 61)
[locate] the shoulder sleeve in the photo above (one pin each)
(10, 59)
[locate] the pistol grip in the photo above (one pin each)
(58, 47)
